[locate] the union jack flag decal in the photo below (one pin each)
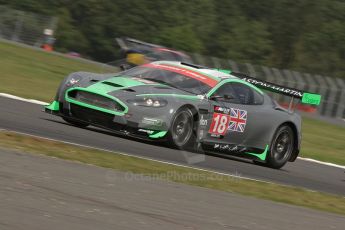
(238, 120)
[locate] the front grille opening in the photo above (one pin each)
(96, 100)
(129, 90)
(93, 116)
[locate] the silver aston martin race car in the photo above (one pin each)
(190, 106)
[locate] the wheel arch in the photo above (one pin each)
(193, 109)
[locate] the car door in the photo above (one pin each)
(238, 110)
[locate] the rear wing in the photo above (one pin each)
(130, 43)
(305, 97)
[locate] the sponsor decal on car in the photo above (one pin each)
(220, 121)
(203, 121)
(146, 131)
(216, 136)
(278, 88)
(227, 119)
(152, 121)
(222, 110)
(228, 147)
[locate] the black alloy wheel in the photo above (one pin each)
(281, 147)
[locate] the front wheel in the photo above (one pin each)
(281, 147)
(76, 123)
(181, 133)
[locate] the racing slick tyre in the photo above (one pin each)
(75, 123)
(281, 148)
(181, 133)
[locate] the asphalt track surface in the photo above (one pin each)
(28, 118)
(39, 192)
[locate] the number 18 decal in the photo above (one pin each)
(220, 123)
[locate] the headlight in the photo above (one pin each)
(148, 102)
(72, 81)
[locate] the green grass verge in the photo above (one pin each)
(36, 74)
(268, 191)
(323, 141)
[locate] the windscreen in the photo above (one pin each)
(166, 77)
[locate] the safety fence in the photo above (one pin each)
(25, 27)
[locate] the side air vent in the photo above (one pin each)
(129, 90)
(112, 84)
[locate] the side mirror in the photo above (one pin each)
(228, 97)
(225, 97)
(215, 97)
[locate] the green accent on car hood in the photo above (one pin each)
(233, 80)
(54, 106)
(158, 134)
(96, 91)
(188, 97)
(123, 82)
(311, 98)
(262, 156)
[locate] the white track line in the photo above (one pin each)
(144, 158)
(236, 175)
(322, 162)
(45, 103)
(23, 99)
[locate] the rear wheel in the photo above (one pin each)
(75, 123)
(181, 132)
(281, 148)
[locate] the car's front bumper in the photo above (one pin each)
(145, 128)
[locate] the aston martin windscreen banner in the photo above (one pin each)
(306, 97)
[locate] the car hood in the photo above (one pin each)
(126, 88)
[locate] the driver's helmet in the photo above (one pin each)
(135, 57)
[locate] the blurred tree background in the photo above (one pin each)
(304, 35)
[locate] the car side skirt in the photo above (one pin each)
(258, 154)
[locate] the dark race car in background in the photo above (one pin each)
(192, 107)
(137, 52)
